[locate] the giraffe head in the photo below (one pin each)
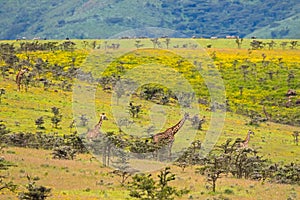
(250, 132)
(103, 117)
(24, 70)
(186, 115)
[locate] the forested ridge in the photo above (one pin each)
(103, 19)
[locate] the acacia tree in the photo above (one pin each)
(34, 192)
(167, 41)
(134, 109)
(293, 44)
(122, 166)
(155, 42)
(145, 187)
(83, 120)
(64, 152)
(39, 123)
(138, 44)
(213, 170)
(239, 42)
(296, 135)
(56, 119)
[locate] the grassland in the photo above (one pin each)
(78, 179)
(86, 178)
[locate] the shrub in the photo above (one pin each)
(64, 152)
(145, 187)
(34, 192)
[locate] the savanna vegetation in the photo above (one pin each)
(43, 124)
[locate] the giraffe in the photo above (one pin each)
(167, 137)
(245, 142)
(19, 77)
(93, 133)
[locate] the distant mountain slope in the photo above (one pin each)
(105, 18)
(287, 28)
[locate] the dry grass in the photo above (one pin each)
(86, 178)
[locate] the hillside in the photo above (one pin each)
(105, 18)
(71, 82)
(287, 28)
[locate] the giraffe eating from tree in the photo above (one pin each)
(20, 76)
(245, 142)
(93, 133)
(167, 137)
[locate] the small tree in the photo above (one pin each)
(75, 142)
(296, 135)
(138, 44)
(190, 156)
(72, 125)
(34, 192)
(122, 166)
(293, 44)
(213, 170)
(142, 187)
(239, 42)
(39, 123)
(145, 187)
(155, 42)
(56, 119)
(197, 122)
(134, 110)
(64, 152)
(167, 41)
(55, 110)
(83, 120)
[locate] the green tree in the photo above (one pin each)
(64, 152)
(167, 41)
(296, 137)
(190, 156)
(212, 170)
(39, 123)
(134, 110)
(34, 192)
(122, 166)
(145, 187)
(239, 42)
(293, 44)
(83, 120)
(155, 42)
(57, 117)
(138, 44)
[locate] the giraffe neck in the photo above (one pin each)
(21, 72)
(177, 126)
(247, 138)
(99, 124)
